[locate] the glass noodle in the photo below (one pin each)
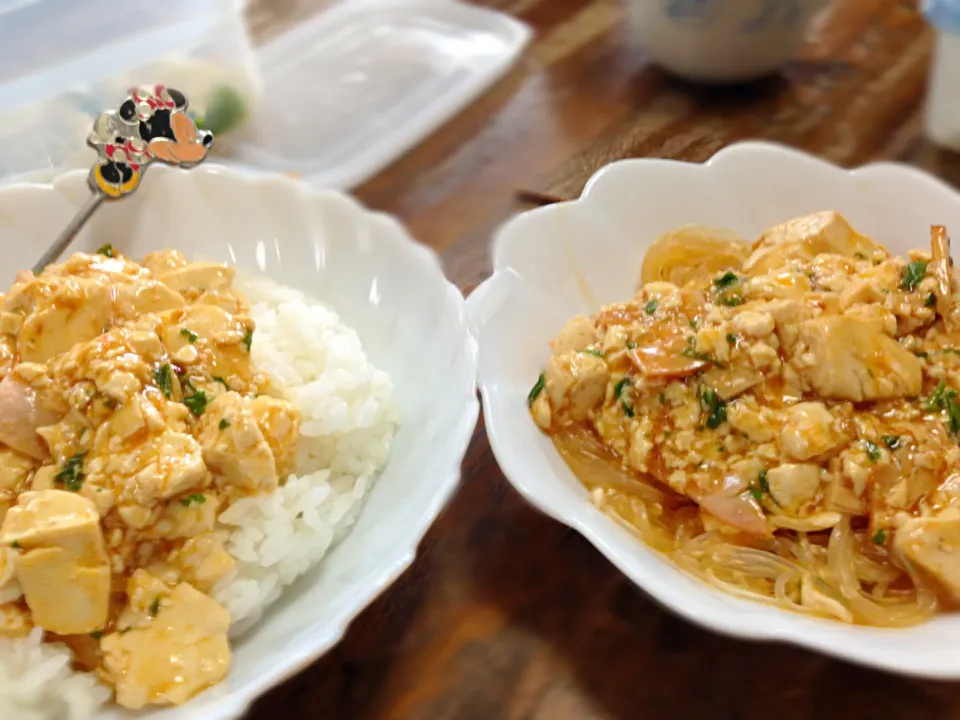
(851, 577)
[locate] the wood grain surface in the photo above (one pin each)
(506, 614)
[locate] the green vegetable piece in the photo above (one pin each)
(537, 389)
(226, 111)
(71, 474)
(163, 375)
(912, 275)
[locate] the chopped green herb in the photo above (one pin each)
(71, 474)
(721, 448)
(931, 300)
(912, 275)
(860, 256)
(591, 351)
(691, 353)
(891, 441)
(715, 407)
(921, 354)
(224, 424)
(109, 402)
(248, 339)
(662, 398)
(870, 372)
(96, 634)
(106, 250)
(694, 323)
(651, 307)
(628, 409)
(536, 389)
(667, 433)
(190, 336)
(726, 280)
(631, 345)
(953, 412)
(756, 492)
(937, 400)
(729, 300)
(194, 499)
(154, 607)
(217, 378)
(764, 483)
(15, 545)
(873, 452)
(620, 387)
(731, 338)
(880, 537)
(197, 402)
(164, 377)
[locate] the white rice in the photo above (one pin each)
(349, 419)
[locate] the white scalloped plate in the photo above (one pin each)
(410, 320)
(550, 263)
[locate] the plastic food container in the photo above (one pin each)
(943, 91)
(722, 41)
(62, 62)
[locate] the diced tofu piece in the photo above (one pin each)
(163, 261)
(576, 383)
(52, 331)
(787, 316)
(9, 587)
(209, 329)
(146, 296)
(160, 467)
(61, 564)
(809, 431)
(279, 421)
(192, 515)
(200, 561)
(793, 485)
(14, 471)
(753, 323)
(846, 358)
(234, 446)
(182, 650)
(578, 333)
(198, 276)
(861, 290)
(934, 544)
(805, 238)
(760, 424)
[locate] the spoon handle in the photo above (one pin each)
(66, 237)
(151, 124)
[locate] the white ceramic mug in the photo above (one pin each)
(722, 41)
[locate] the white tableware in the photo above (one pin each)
(942, 117)
(554, 262)
(410, 320)
(720, 41)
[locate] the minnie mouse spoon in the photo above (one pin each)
(151, 124)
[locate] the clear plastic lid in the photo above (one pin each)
(351, 90)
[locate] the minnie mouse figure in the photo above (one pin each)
(151, 124)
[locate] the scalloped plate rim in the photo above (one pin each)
(807, 632)
(239, 699)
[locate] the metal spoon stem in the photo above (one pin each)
(66, 237)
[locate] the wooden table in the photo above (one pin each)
(507, 614)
